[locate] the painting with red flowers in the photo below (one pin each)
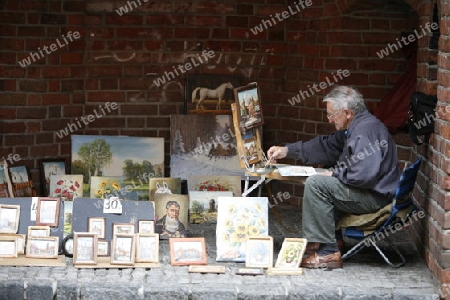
(215, 183)
(67, 187)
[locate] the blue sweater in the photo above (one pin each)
(364, 156)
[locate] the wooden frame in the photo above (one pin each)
(38, 231)
(102, 248)
(48, 167)
(97, 225)
(19, 174)
(9, 218)
(291, 253)
(147, 247)
(123, 250)
(8, 246)
(259, 252)
(48, 211)
(21, 241)
(146, 226)
(123, 228)
(85, 248)
(198, 84)
(187, 251)
(42, 247)
(248, 101)
(6, 187)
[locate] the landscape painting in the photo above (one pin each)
(206, 147)
(135, 159)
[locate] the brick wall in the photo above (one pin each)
(117, 58)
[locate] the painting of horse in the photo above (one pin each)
(210, 93)
(206, 93)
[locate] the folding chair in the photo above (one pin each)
(369, 229)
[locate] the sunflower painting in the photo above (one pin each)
(291, 253)
(239, 218)
(104, 187)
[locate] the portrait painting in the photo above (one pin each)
(210, 93)
(135, 159)
(248, 100)
(171, 215)
(206, 147)
(239, 218)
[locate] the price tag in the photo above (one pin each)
(112, 206)
(33, 209)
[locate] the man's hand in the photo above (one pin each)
(276, 152)
(326, 173)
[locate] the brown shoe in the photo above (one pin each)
(311, 247)
(330, 261)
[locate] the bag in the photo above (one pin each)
(421, 116)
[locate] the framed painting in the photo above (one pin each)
(85, 248)
(171, 215)
(123, 228)
(8, 246)
(168, 185)
(21, 242)
(134, 159)
(47, 211)
(97, 225)
(146, 226)
(9, 218)
(19, 174)
(239, 218)
(251, 151)
(187, 251)
(203, 206)
(123, 250)
(206, 147)
(103, 187)
(38, 231)
(147, 247)
(213, 183)
(248, 101)
(102, 248)
(209, 94)
(68, 212)
(67, 187)
(50, 167)
(6, 187)
(291, 253)
(259, 252)
(42, 247)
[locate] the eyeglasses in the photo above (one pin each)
(330, 116)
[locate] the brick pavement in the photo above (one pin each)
(364, 276)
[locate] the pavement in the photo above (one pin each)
(364, 276)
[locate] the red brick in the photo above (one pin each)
(105, 71)
(106, 97)
(55, 99)
(185, 32)
(214, 8)
(70, 58)
(8, 17)
(209, 21)
(55, 72)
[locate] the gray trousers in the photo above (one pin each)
(325, 198)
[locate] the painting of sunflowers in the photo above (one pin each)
(291, 253)
(239, 218)
(103, 187)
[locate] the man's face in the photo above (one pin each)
(173, 211)
(340, 117)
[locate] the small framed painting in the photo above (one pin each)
(259, 252)
(49, 167)
(187, 251)
(147, 247)
(38, 231)
(123, 228)
(47, 211)
(123, 250)
(102, 248)
(6, 186)
(248, 101)
(97, 225)
(291, 253)
(42, 247)
(203, 206)
(9, 218)
(85, 248)
(146, 226)
(67, 187)
(8, 246)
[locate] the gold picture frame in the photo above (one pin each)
(187, 251)
(38, 231)
(97, 225)
(9, 218)
(291, 253)
(146, 226)
(42, 247)
(48, 211)
(248, 101)
(8, 246)
(123, 228)
(102, 248)
(85, 247)
(123, 250)
(147, 247)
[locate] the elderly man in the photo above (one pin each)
(169, 225)
(363, 178)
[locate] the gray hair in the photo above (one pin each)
(346, 97)
(170, 203)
